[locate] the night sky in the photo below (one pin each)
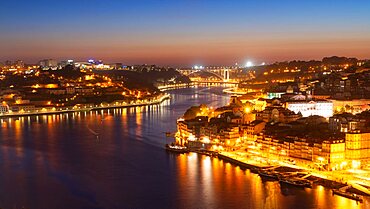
(183, 33)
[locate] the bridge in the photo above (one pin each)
(218, 74)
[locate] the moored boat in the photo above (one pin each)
(303, 183)
(176, 148)
(347, 195)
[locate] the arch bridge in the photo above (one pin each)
(222, 73)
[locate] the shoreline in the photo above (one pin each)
(318, 180)
(239, 163)
(232, 91)
(87, 109)
(158, 101)
(176, 86)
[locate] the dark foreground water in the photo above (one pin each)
(56, 161)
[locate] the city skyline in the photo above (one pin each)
(184, 33)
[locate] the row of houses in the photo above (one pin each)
(23, 108)
(198, 130)
(327, 154)
(70, 90)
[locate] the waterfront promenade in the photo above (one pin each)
(355, 178)
(155, 101)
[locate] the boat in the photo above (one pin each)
(169, 134)
(269, 174)
(303, 183)
(176, 148)
(347, 195)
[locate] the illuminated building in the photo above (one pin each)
(280, 90)
(270, 147)
(353, 106)
(253, 129)
(277, 114)
(4, 108)
(329, 154)
(23, 108)
(271, 95)
(190, 130)
(301, 148)
(358, 146)
(230, 136)
(260, 104)
(83, 65)
(307, 107)
(193, 132)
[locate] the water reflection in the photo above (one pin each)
(210, 183)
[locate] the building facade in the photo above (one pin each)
(307, 108)
(358, 146)
(4, 108)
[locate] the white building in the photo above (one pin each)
(4, 109)
(307, 107)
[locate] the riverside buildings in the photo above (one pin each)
(45, 89)
(358, 146)
(280, 134)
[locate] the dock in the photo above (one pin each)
(241, 164)
(359, 187)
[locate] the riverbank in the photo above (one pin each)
(234, 91)
(176, 86)
(72, 109)
(317, 179)
(241, 164)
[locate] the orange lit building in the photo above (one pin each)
(358, 146)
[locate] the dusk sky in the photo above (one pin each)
(183, 33)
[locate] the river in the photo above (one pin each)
(115, 159)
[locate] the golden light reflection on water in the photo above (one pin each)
(138, 120)
(10, 124)
(4, 124)
(257, 185)
(191, 166)
(192, 190)
(320, 196)
(218, 182)
(18, 137)
(342, 202)
(207, 179)
(123, 113)
(271, 196)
